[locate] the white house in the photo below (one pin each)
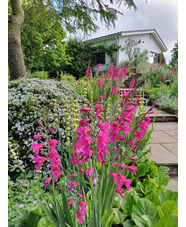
(146, 40)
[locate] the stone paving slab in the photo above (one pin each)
(165, 126)
(173, 184)
(162, 156)
(172, 147)
(162, 137)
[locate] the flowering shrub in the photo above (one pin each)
(157, 75)
(25, 106)
(101, 154)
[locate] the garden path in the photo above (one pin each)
(164, 144)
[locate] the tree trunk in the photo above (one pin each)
(15, 55)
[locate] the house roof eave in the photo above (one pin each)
(153, 32)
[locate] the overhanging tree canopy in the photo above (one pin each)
(73, 15)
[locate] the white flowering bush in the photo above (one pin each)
(27, 99)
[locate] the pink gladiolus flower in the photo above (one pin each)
(80, 196)
(101, 157)
(164, 62)
(89, 172)
(115, 148)
(159, 65)
(39, 124)
(72, 175)
(98, 107)
(79, 215)
(118, 179)
(85, 109)
(132, 169)
(78, 83)
(87, 73)
(119, 164)
(134, 159)
(36, 137)
(94, 182)
(164, 76)
(75, 160)
(98, 66)
(102, 139)
(120, 191)
(82, 204)
(124, 93)
(70, 203)
(47, 181)
(82, 171)
(173, 71)
(102, 82)
(56, 175)
(151, 68)
(53, 142)
(72, 185)
(84, 122)
(98, 82)
(50, 130)
(126, 69)
(131, 85)
(39, 161)
(104, 97)
(104, 127)
(37, 147)
(98, 100)
(53, 155)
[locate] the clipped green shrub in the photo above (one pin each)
(39, 74)
(27, 98)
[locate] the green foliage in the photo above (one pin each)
(155, 92)
(39, 74)
(174, 57)
(42, 38)
(83, 14)
(80, 55)
(110, 50)
(23, 191)
(149, 203)
(27, 99)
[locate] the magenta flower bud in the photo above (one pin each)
(39, 124)
(36, 137)
(70, 203)
(94, 181)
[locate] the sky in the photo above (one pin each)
(161, 15)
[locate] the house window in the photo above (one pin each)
(153, 57)
(100, 58)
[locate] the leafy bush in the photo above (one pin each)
(80, 55)
(157, 75)
(26, 101)
(155, 92)
(166, 101)
(39, 74)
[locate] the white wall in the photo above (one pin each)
(148, 44)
